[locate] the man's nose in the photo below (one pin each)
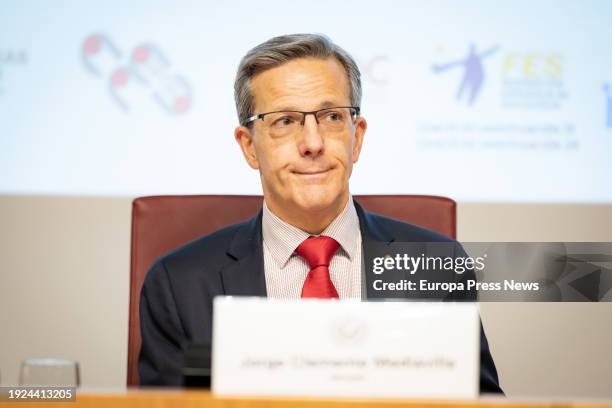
(311, 142)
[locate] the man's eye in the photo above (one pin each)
(333, 116)
(284, 121)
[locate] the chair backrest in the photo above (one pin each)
(162, 223)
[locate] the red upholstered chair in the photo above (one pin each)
(162, 223)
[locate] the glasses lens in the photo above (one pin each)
(334, 119)
(283, 123)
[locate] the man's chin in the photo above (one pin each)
(317, 200)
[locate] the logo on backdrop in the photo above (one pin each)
(145, 69)
(607, 88)
(473, 72)
(532, 80)
(373, 69)
(514, 81)
(528, 80)
(8, 60)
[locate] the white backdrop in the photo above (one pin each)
(476, 100)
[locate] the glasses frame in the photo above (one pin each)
(261, 116)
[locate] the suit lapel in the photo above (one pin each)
(245, 276)
(371, 231)
(375, 242)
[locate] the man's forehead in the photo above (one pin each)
(300, 82)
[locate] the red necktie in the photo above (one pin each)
(318, 252)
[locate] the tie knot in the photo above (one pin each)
(317, 251)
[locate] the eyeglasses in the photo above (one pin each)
(284, 123)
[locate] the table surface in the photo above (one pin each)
(159, 398)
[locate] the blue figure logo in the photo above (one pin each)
(473, 75)
(608, 91)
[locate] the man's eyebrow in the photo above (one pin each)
(327, 104)
(290, 108)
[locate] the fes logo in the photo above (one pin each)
(473, 76)
(528, 80)
(146, 68)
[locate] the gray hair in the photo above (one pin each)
(277, 51)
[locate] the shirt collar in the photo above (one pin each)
(281, 238)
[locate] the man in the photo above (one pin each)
(298, 99)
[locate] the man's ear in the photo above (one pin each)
(244, 137)
(360, 128)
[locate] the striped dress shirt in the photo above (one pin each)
(286, 272)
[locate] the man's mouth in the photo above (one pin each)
(312, 172)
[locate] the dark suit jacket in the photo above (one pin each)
(177, 294)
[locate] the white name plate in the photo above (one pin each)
(331, 348)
